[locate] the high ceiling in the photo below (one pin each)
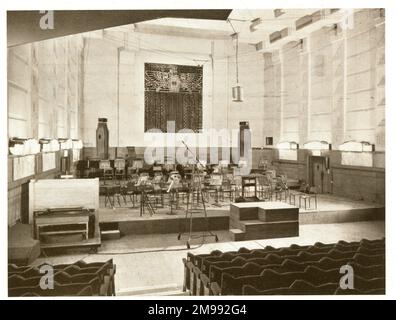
(241, 20)
(252, 26)
(24, 26)
(267, 29)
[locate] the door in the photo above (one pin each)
(318, 174)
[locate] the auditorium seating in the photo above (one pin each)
(313, 269)
(76, 279)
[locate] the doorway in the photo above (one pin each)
(317, 172)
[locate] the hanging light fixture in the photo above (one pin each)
(237, 90)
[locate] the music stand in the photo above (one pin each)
(195, 187)
(173, 190)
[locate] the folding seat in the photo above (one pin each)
(316, 250)
(218, 266)
(342, 243)
(196, 259)
(373, 243)
(271, 258)
(368, 272)
(290, 266)
(15, 281)
(303, 256)
(248, 269)
(59, 290)
(245, 250)
(336, 254)
(297, 247)
(317, 276)
(207, 262)
(13, 268)
(327, 263)
(341, 291)
(371, 250)
(287, 252)
(231, 285)
(299, 287)
(369, 260)
(30, 272)
(83, 264)
(323, 245)
(368, 284)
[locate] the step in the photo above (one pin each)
(239, 214)
(269, 230)
(273, 215)
(110, 234)
(237, 235)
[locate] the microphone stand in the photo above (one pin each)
(196, 187)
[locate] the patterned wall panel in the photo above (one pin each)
(172, 93)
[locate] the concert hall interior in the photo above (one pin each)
(196, 152)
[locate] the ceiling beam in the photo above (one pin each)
(301, 28)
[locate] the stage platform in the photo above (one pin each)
(22, 248)
(330, 209)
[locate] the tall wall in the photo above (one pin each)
(120, 95)
(330, 86)
(44, 101)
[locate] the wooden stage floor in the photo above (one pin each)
(330, 209)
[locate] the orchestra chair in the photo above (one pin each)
(135, 167)
(263, 187)
(108, 173)
(249, 182)
(119, 169)
(226, 189)
(158, 194)
(281, 191)
(295, 194)
(105, 190)
(113, 193)
(307, 198)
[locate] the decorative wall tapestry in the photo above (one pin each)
(172, 93)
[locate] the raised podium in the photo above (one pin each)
(263, 220)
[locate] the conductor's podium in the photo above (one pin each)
(263, 220)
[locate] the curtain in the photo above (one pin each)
(185, 109)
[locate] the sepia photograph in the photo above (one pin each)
(196, 152)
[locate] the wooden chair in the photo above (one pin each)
(119, 169)
(108, 173)
(226, 189)
(306, 198)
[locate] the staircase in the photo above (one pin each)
(263, 220)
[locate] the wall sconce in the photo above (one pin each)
(287, 145)
(23, 146)
(49, 145)
(65, 143)
(357, 146)
(317, 145)
(77, 144)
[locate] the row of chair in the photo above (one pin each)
(76, 279)
(225, 273)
